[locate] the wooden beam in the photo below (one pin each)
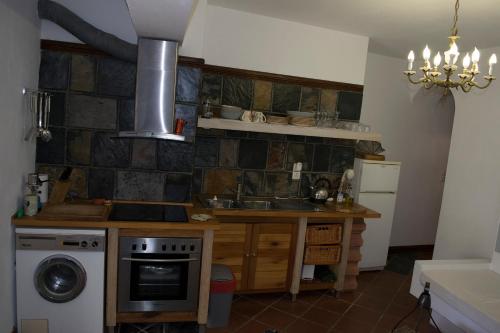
(299, 256)
(111, 277)
(205, 274)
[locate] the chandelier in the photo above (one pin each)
(433, 75)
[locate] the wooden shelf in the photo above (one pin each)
(324, 132)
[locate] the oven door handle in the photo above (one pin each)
(160, 260)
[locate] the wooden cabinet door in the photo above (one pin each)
(271, 255)
(232, 247)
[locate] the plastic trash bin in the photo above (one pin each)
(222, 286)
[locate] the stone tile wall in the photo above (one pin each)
(93, 100)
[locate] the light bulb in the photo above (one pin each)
(447, 57)
(426, 54)
(466, 61)
(453, 49)
(411, 56)
(475, 56)
(493, 59)
(437, 60)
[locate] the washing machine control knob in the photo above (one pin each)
(84, 244)
(94, 244)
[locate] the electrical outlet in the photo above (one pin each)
(297, 168)
(296, 175)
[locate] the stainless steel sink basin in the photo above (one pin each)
(261, 204)
(257, 204)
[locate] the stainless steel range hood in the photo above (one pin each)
(155, 91)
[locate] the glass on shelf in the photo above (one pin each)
(326, 119)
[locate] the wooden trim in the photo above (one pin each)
(154, 317)
(160, 233)
(198, 62)
(161, 203)
(206, 270)
(54, 45)
(411, 248)
(299, 256)
(281, 78)
(247, 259)
(111, 277)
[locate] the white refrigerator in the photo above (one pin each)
(375, 186)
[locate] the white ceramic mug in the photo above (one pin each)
(246, 116)
(259, 117)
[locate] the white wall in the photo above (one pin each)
(470, 211)
(237, 39)
(416, 128)
(19, 62)
(243, 40)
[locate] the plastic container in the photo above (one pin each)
(222, 286)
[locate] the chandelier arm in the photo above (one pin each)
(464, 89)
(419, 81)
(474, 84)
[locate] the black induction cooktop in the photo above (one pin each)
(148, 213)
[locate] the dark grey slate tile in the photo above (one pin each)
(262, 96)
(252, 154)
(133, 185)
(209, 132)
(126, 116)
(57, 109)
(228, 153)
(349, 105)
(340, 142)
(78, 147)
(79, 184)
(188, 84)
(253, 182)
(144, 154)
(277, 156)
(237, 91)
(267, 136)
(115, 77)
(52, 152)
(221, 180)
(309, 99)
(328, 101)
(177, 187)
(300, 152)
(109, 151)
(314, 139)
(286, 97)
(175, 156)
(197, 181)
(321, 161)
(211, 88)
(91, 112)
(83, 70)
(295, 138)
(54, 70)
(277, 184)
(342, 158)
(206, 151)
(101, 183)
(236, 134)
(189, 114)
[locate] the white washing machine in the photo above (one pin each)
(60, 280)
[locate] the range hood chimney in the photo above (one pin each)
(155, 90)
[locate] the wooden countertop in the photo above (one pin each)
(330, 212)
(33, 221)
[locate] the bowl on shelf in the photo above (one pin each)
(277, 120)
(302, 121)
(230, 112)
(300, 114)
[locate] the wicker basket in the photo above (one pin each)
(322, 255)
(324, 234)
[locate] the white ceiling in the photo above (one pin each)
(394, 26)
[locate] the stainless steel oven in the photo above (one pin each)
(158, 274)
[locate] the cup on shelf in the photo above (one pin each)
(246, 116)
(259, 117)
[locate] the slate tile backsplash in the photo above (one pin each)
(94, 99)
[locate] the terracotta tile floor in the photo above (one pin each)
(380, 301)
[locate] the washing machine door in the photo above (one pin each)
(60, 278)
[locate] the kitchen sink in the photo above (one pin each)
(261, 204)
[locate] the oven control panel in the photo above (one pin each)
(178, 245)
